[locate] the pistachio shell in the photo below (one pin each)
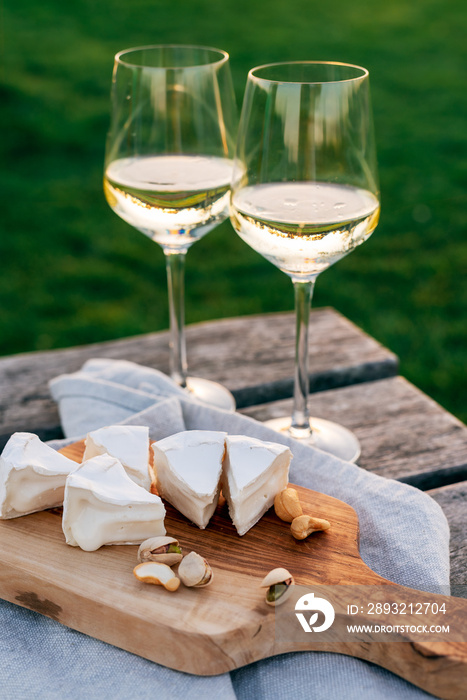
(194, 571)
(276, 576)
(278, 593)
(279, 583)
(165, 550)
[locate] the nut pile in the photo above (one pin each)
(288, 508)
(157, 554)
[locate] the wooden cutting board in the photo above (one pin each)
(227, 624)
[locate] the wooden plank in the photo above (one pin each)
(252, 356)
(453, 500)
(404, 434)
(407, 436)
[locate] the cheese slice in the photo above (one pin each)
(103, 505)
(188, 468)
(32, 476)
(127, 443)
(254, 472)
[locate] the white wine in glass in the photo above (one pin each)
(168, 165)
(305, 194)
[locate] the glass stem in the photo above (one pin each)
(175, 265)
(300, 427)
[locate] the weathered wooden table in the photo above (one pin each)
(354, 380)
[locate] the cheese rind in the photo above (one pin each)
(103, 505)
(254, 473)
(188, 468)
(127, 443)
(32, 476)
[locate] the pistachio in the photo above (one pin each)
(165, 550)
(304, 525)
(194, 571)
(158, 574)
(279, 583)
(287, 505)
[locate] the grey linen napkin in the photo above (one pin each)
(404, 537)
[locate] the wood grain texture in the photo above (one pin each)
(252, 356)
(96, 592)
(404, 434)
(227, 624)
(453, 501)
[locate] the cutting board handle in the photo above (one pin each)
(432, 659)
(228, 625)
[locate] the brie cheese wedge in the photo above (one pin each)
(254, 472)
(188, 468)
(127, 443)
(32, 476)
(103, 505)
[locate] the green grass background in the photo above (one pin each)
(73, 273)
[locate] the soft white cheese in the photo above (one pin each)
(188, 466)
(32, 476)
(127, 443)
(254, 472)
(103, 505)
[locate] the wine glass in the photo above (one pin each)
(305, 194)
(168, 165)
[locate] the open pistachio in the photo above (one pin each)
(158, 574)
(165, 550)
(194, 571)
(287, 505)
(279, 583)
(304, 525)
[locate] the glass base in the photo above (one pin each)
(327, 436)
(211, 393)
